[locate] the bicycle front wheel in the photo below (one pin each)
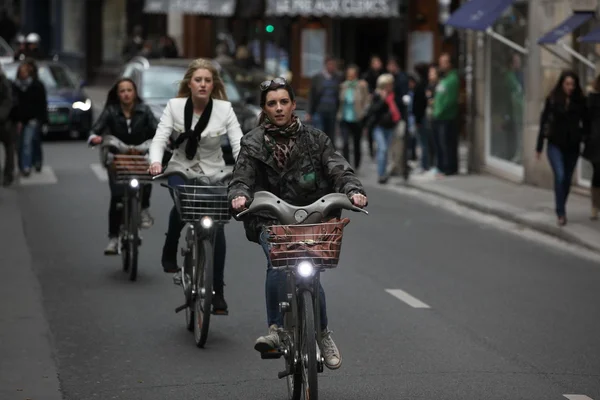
(203, 300)
(308, 354)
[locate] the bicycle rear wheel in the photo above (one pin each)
(133, 241)
(308, 353)
(203, 300)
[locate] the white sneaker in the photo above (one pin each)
(269, 342)
(112, 248)
(331, 354)
(147, 220)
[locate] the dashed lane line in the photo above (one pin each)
(100, 172)
(407, 298)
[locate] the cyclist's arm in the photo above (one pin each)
(161, 137)
(339, 173)
(234, 132)
(100, 125)
(152, 123)
(244, 176)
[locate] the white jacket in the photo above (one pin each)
(209, 157)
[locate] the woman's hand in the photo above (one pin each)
(359, 200)
(239, 203)
(155, 168)
(96, 140)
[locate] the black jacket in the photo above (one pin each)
(564, 127)
(30, 103)
(419, 107)
(592, 144)
(379, 114)
(143, 124)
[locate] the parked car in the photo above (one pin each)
(158, 79)
(69, 108)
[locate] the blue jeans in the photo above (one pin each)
(30, 146)
(383, 138)
(174, 232)
(326, 122)
(563, 165)
(275, 290)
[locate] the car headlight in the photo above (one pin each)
(206, 222)
(305, 269)
(83, 105)
(134, 183)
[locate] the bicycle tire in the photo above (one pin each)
(134, 237)
(203, 300)
(188, 266)
(308, 355)
(123, 239)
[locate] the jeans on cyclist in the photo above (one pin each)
(169, 255)
(275, 290)
(115, 213)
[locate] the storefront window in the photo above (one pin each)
(507, 86)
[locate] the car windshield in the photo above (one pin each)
(52, 76)
(163, 83)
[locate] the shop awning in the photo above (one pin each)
(217, 8)
(478, 15)
(566, 27)
(333, 8)
(563, 29)
(592, 37)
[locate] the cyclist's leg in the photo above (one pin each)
(115, 215)
(147, 220)
(219, 302)
(169, 255)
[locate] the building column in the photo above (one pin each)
(175, 29)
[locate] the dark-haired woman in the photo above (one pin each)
(127, 118)
(564, 123)
(299, 164)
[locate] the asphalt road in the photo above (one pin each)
(425, 305)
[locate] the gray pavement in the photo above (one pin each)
(505, 317)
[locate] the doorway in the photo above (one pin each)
(362, 38)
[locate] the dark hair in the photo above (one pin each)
(263, 98)
(113, 94)
(447, 54)
(330, 58)
(558, 95)
(354, 67)
(393, 59)
(31, 65)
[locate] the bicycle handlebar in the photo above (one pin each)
(288, 214)
(110, 141)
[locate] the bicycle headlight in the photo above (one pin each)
(82, 105)
(305, 269)
(206, 222)
(134, 183)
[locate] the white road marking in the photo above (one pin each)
(407, 298)
(100, 172)
(577, 397)
(45, 177)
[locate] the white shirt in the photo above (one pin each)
(209, 157)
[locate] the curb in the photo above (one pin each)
(508, 215)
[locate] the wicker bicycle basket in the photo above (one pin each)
(131, 166)
(193, 202)
(322, 243)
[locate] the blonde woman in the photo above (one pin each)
(196, 120)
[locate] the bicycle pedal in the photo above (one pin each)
(181, 308)
(271, 355)
(220, 312)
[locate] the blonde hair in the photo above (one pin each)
(385, 80)
(218, 91)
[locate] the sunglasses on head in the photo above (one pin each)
(273, 84)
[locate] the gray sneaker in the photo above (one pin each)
(269, 342)
(112, 248)
(147, 220)
(331, 354)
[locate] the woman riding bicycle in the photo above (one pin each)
(299, 164)
(127, 118)
(196, 120)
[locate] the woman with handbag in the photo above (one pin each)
(592, 145)
(197, 118)
(563, 124)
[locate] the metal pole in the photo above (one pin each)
(506, 41)
(578, 56)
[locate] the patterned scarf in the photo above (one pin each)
(280, 141)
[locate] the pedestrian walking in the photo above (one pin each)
(429, 121)
(592, 145)
(373, 73)
(354, 100)
(323, 100)
(7, 136)
(564, 124)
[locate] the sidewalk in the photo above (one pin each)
(27, 366)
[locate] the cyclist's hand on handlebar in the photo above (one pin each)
(239, 203)
(359, 200)
(155, 168)
(96, 140)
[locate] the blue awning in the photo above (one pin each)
(566, 27)
(592, 37)
(478, 15)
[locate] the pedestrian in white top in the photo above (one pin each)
(195, 121)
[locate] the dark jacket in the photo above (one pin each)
(419, 107)
(564, 127)
(143, 124)
(379, 114)
(371, 77)
(316, 92)
(30, 103)
(592, 144)
(314, 170)
(6, 99)
(400, 89)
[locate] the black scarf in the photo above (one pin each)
(193, 136)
